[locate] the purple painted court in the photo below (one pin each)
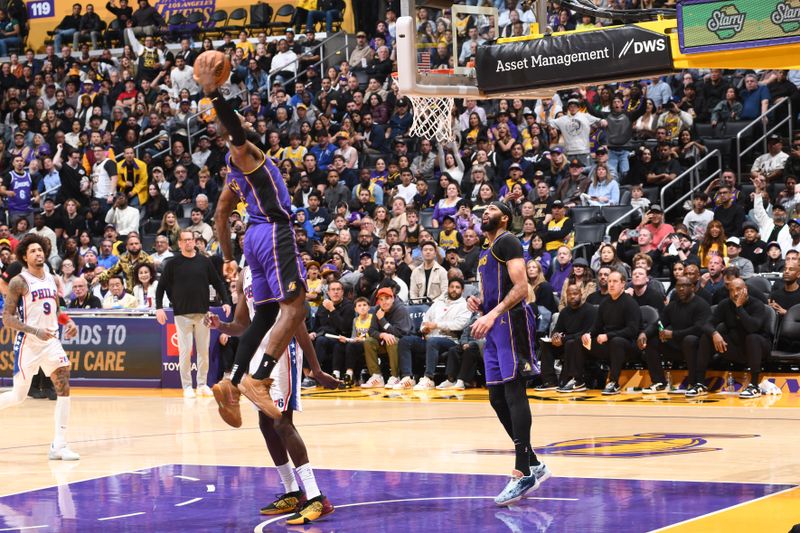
(224, 498)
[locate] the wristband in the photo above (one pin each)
(226, 261)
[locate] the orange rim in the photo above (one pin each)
(436, 71)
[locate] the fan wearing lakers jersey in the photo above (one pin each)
(508, 323)
(31, 309)
(283, 440)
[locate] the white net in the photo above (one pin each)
(432, 118)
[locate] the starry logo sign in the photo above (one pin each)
(726, 22)
(787, 16)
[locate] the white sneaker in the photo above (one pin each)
(425, 383)
(446, 384)
(459, 385)
(188, 392)
(205, 391)
(394, 380)
(63, 454)
(375, 381)
(405, 383)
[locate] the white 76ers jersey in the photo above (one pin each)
(287, 374)
(38, 308)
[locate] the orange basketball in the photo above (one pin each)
(212, 64)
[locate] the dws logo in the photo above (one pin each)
(643, 47)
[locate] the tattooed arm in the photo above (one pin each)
(16, 289)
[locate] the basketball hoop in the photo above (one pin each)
(432, 114)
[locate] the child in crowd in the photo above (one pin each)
(355, 344)
(638, 199)
(412, 230)
(449, 237)
(465, 219)
(314, 283)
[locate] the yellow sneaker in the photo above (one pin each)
(287, 503)
(312, 510)
(257, 391)
(227, 396)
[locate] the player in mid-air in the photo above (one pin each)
(283, 440)
(508, 323)
(31, 308)
(269, 248)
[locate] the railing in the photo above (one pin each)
(327, 54)
(619, 220)
(692, 173)
(763, 138)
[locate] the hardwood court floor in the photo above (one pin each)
(660, 445)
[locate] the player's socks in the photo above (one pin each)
(309, 481)
(61, 420)
(265, 368)
(337, 374)
(532, 459)
(522, 461)
(287, 477)
(350, 373)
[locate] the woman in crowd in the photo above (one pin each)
(536, 250)
(451, 163)
(170, 229)
(447, 205)
(604, 189)
(713, 243)
(689, 151)
(539, 289)
(156, 206)
(67, 276)
(641, 167)
(606, 256)
(73, 221)
(145, 286)
(582, 276)
(645, 126)
(85, 243)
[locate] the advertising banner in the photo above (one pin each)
(105, 348)
(613, 54)
(710, 25)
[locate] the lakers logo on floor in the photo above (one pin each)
(637, 445)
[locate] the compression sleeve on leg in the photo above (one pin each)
(229, 119)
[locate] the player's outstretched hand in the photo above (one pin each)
(230, 269)
(211, 320)
(325, 379)
(208, 68)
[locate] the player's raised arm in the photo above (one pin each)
(211, 70)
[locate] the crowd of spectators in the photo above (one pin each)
(111, 155)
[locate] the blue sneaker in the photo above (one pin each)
(516, 488)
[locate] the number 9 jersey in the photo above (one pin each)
(38, 308)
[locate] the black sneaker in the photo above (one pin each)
(751, 391)
(546, 386)
(572, 386)
(347, 382)
(285, 503)
(696, 390)
(37, 394)
(611, 389)
(50, 393)
(308, 383)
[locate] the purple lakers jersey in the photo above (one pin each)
(262, 190)
(495, 281)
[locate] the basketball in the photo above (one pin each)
(212, 66)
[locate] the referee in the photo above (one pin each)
(185, 279)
